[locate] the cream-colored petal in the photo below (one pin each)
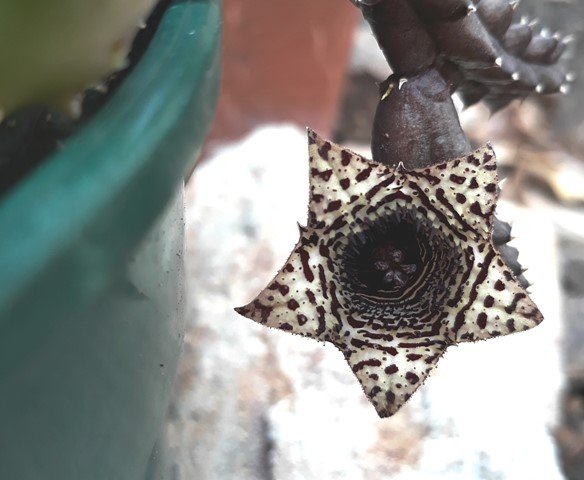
(339, 178)
(390, 371)
(463, 292)
(465, 189)
(493, 302)
(299, 298)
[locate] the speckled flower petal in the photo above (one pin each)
(298, 299)
(390, 371)
(464, 190)
(394, 266)
(492, 304)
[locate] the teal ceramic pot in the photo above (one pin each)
(92, 291)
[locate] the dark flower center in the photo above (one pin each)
(386, 266)
(399, 267)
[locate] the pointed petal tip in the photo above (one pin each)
(538, 317)
(313, 136)
(390, 402)
(384, 412)
(301, 228)
(241, 310)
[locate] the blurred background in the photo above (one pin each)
(252, 403)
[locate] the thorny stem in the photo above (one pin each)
(436, 47)
(416, 122)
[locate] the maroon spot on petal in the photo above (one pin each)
(457, 179)
(339, 222)
(374, 190)
(499, 285)
(325, 175)
(345, 158)
(306, 270)
(286, 326)
(345, 183)
(324, 149)
(302, 319)
(323, 282)
(311, 297)
(392, 351)
(511, 308)
(335, 304)
(293, 304)
(473, 160)
(289, 267)
(390, 396)
(391, 369)
(412, 378)
(371, 362)
(364, 174)
(334, 205)
(283, 289)
(489, 301)
(476, 209)
(460, 198)
(321, 320)
(511, 325)
(357, 207)
(355, 323)
(413, 356)
(473, 183)
(482, 320)
(491, 187)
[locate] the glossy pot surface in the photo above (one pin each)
(91, 268)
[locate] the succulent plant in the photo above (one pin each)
(52, 50)
(402, 256)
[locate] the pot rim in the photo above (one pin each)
(61, 247)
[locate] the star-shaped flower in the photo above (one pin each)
(395, 266)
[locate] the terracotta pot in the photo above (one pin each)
(284, 61)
